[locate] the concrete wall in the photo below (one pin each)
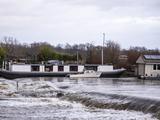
(105, 68)
(21, 68)
(141, 69)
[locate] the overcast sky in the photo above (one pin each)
(128, 22)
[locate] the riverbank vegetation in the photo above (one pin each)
(11, 49)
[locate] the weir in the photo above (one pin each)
(102, 101)
(117, 102)
(84, 94)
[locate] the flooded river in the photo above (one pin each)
(79, 99)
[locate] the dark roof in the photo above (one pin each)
(148, 59)
(152, 57)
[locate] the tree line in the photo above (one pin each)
(88, 53)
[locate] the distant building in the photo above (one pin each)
(123, 57)
(148, 65)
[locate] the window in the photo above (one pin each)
(154, 67)
(60, 68)
(48, 68)
(73, 68)
(34, 68)
(158, 67)
(91, 68)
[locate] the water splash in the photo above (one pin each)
(55, 109)
(114, 101)
(76, 92)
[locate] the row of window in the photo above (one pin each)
(50, 68)
(61, 68)
(156, 67)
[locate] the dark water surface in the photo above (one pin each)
(79, 99)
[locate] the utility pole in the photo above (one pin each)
(102, 47)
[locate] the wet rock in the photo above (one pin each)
(157, 115)
(44, 87)
(11, 94)
(60, 94)
(64, 87)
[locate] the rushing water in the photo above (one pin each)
(79, 99)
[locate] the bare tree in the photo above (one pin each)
(111, 52)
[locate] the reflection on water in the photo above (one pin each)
(36, 99)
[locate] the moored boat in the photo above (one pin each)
(86, 74)
(48, 70)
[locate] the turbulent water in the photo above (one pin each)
(79, 99)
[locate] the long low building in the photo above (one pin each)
(57, 68)
(148, 66)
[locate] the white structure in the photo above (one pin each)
(80, 68)
(148, 66)
(104, 68)
(20, 67)
(58, 68)
(66, 68)
(12, 70)
(86, 74)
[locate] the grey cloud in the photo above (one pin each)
(105, 4)
(142, 8)
(128, 21)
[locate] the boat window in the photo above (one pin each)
(158, 67)
(60, 68)
(154, 67)
(73, 68)
(34, 68)
(7, 66)
(91, 68)
(48, 68)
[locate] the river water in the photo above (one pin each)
(79, 99)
